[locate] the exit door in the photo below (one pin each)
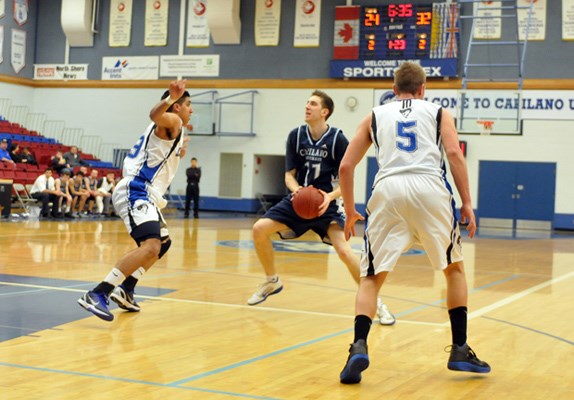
(516, 194)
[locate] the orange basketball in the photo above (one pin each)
(307, 201)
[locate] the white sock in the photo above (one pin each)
(115, 277)
(272, 278)
(138, 273)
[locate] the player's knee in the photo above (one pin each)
(165, 245)
(259, 230)
(151, 248)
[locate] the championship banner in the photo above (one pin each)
(1, 44)
(2, 8)
(156, 13)
(491, 27)
(197, 28)
(346, 37)
(267, 21)
(130, 68)
(61, 72)
(537, 27)
(18, 58)
(189, 66)
(567, 19)
(21, 11)
(307, 23)
(120, 23)
(445, 30)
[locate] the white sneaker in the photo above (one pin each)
(265, 290)
(385, 316)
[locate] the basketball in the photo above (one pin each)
(307, 201)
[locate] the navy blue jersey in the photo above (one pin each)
(316, 162)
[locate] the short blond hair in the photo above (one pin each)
(409, 77)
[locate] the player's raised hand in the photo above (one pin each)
(177, 88)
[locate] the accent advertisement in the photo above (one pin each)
(130, 68)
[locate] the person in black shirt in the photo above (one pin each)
(192, 192)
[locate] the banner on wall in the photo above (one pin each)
(346, 36)
(307, 23)
(156, 15)
(1, 44)
(130, 68)
(21, 11)
(490, 25)
(567, 19)
(535, 104)
(61, 72)
(537, 27)
(18, 58)
(267, 22)
(197, 28)
(2, 8)
(189, 66)
(120, 23)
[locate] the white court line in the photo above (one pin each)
(199, 302)
(515, 297)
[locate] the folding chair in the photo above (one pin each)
(28, 203)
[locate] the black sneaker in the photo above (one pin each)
(357, 362)
(462, 358)
(124, 299)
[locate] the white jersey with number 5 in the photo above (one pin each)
(152, 162)
(406, 135)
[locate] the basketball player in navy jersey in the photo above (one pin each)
(411, 202)
(314, 151)
(138, 198)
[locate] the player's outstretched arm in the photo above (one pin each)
(458, 169)
(160, 116)
(355, 152)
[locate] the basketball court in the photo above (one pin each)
(196, 338)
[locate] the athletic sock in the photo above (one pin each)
(131, 281)
(113, 279)
(272, 278)
(362, 327)
(458, 319)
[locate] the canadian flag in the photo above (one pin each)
(346, 38)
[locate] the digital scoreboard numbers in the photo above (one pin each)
(393, 33)
(396, 31)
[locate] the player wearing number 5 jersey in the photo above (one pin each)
(411, 202)
(314, 152)
(138, 198)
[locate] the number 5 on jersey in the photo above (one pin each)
(406, 136)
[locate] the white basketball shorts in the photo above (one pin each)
(141, 217)
(407, 209)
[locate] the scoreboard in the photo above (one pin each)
(385, 35)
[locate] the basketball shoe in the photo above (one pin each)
(97, 304)
(385, 316)
(265, 290)
(462, 358)
(357, 362)
(124, 299)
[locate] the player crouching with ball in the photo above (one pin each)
(314, 152)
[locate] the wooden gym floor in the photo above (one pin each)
(196, 338)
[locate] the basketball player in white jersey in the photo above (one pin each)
(412, 202)
(138, 198)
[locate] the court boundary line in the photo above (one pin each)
(531, 329)
(136, 381)
(200, 302)
(516, 296)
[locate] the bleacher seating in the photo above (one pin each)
(43, 149)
